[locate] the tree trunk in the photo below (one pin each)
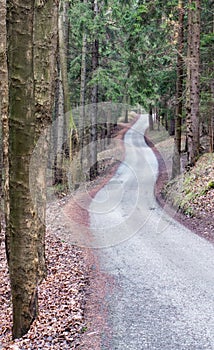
(151, 123)
(69, 125)
(176, 161)
(171, 124)
(45, 52)
(31, 64)
(211, 126)
(109, 123)
(63, 23)
(60, 124)
(94, 101)
(82, 121)
(192, 88)
(4, 111)
(127, 102)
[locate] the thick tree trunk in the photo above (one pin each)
(23, 255)
(31, 56)
(176, 161)
(192, 95)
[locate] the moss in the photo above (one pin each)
(210, 185)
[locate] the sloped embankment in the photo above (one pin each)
(192, 193)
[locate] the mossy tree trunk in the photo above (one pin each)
(32, 40)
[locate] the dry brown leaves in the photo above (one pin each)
(61, 301)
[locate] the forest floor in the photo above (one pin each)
(65, 311)
(70, 298)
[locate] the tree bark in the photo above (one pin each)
(4, 111)
(151, 123)
(69, 125)
(60, 125)
(82, 121)
(23, 255)
(94, 102)
(31, 63)
(192, 88)
(211, 126)
(176, 161)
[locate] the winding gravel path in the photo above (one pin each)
(164, 274)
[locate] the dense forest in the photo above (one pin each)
(73, 68)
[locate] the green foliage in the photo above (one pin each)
(137, 50)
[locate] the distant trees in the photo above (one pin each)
(149, 53)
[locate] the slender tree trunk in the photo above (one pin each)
(109, 123)
(82, 122)
(31, 62)
(59, 174)
(45, 52)
(151, 123)
(63, 23)
(94, 101)
(211, 126)
(171, 123)
(192, 88)
(126, 102)
(4, 111)
(69, 125)
(176, 161)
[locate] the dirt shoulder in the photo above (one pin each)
(190, 197)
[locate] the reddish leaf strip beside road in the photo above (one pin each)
(74, 288)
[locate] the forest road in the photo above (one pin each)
(163, 295)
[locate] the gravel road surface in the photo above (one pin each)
(163, 295)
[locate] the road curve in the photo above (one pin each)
(164, 274)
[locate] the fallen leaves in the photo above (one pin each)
(61, 301)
